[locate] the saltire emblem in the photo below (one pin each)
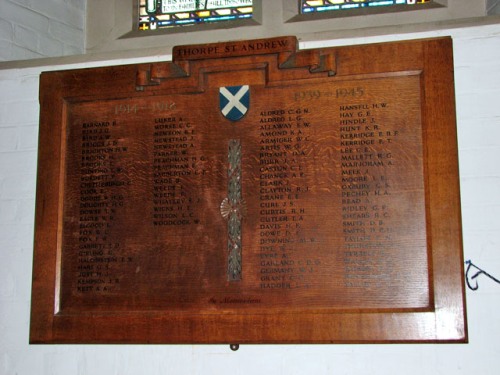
(234, 101)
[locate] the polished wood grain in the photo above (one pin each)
(346, 219)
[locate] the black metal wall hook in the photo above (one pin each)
(477, 272)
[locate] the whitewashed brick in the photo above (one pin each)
(478, 105)
(479, 133)
(18, 162)
(24, 3)
(18, 366)
(481, 218)
(49, 46)
(476, 51)
(19, 113)
(477, 78)
(480, 191)
(65, 34)
(70, 50)
(25, 211)
(27, 137)
(17, 320)
(9, 237)
(481, 246)
(22, 260)
(27, 38)
(6, 29)
(14, 89)
(5, 50)
(7, 284)
(480, 163)
(23, 16)
(22, 53)
(62, 12)
(5, 356)
(55, 363)
(25, 23)
(8, 139)
(17, 186)
(8, 211)
(78, 4)
(15, 236)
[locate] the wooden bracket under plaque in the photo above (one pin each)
(270, 56)
(251, 192)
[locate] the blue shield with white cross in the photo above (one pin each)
(234, 101)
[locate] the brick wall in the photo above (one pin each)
(477, 72)
(41, 28)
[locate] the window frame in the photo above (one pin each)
(109, 25)
(255, 20)
(294, 15)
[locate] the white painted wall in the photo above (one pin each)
(477, 63)
(41, 28)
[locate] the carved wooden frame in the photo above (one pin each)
(275, 63)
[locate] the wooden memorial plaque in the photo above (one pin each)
(249, 192)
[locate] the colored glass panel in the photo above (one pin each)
(158, 14)
(332, 5)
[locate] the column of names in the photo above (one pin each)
(100, 204)
(366, 161)
(284, 137)
(173, 164)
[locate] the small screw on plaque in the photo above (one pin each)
(234, 347)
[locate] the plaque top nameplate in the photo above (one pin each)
(235, 49)
(249, 184)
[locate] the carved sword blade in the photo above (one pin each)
(233, 209)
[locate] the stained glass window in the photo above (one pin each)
(160, 14)
(331, 5)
